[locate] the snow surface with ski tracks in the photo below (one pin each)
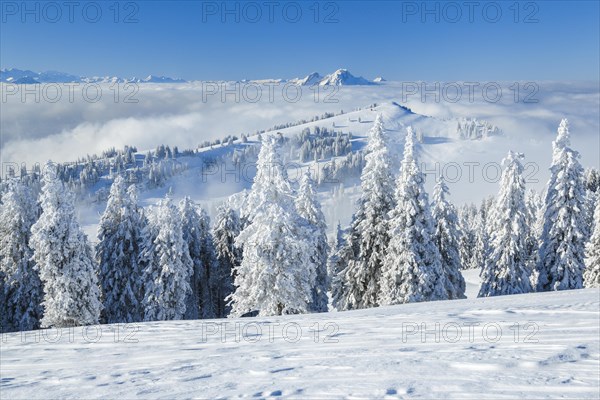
(541, 345)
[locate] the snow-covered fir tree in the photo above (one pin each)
(196, 233)
(535, 217)
(21, 286)
(309, 208)
(65, 259)
(466, 247)
(120, 236)
(208, 286)
(447, 240)
(277, 274)
(4, 322)
(592, 180)
(334, 267)
(562, 241)
(192, 235)
(591, 274)
(226, 228)
(480, 228)
(360, 260)
(506, 270)
(168, 273)
(412, 268)
(592, 185)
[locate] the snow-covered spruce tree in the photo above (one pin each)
(277, 274)
(466, 242)
(360, 259)
(447, 240)
(190, 226)
(120, 236)
(65, 259)
(3, 307)
(227, 227)
(506, 270)
(412, 268)
(21, 288)
(209, 258)
(592, 187)
(592, 180)
(562, 242)
(168, 273)
(591, 274)
(535, 215)
(334, 267)
(309, 208)
(480, 228)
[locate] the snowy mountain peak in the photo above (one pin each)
(311, 79)
(342, 77)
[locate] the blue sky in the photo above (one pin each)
(188, 39)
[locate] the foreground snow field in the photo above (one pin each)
(543, 345)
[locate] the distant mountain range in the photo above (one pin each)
(19, 76)
(341, 77)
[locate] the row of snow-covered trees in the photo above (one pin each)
(164, 262)
(153, 264)
(270, 256)
(401, 249)
(397, 248)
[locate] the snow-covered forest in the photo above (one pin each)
(267, 251)
(299, 200)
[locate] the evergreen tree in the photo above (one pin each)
(360, 260)
(277, 274)
(466, 218)
(333, 266)
(191, 235)
(592, 186)
(196, 234)
(120, 235)
(506, 270)
(209, 259)
(564, 232)
(535, 215)
(227, 228)
(4, 318)
(21, 292)
(412, 269)
(592, 180)
(310, 210)
(65, 260)
(591, 275)
(168, 273)
(447, 240)
(480, 228)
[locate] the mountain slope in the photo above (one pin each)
(388, 352)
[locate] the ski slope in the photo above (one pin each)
(391, 352)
